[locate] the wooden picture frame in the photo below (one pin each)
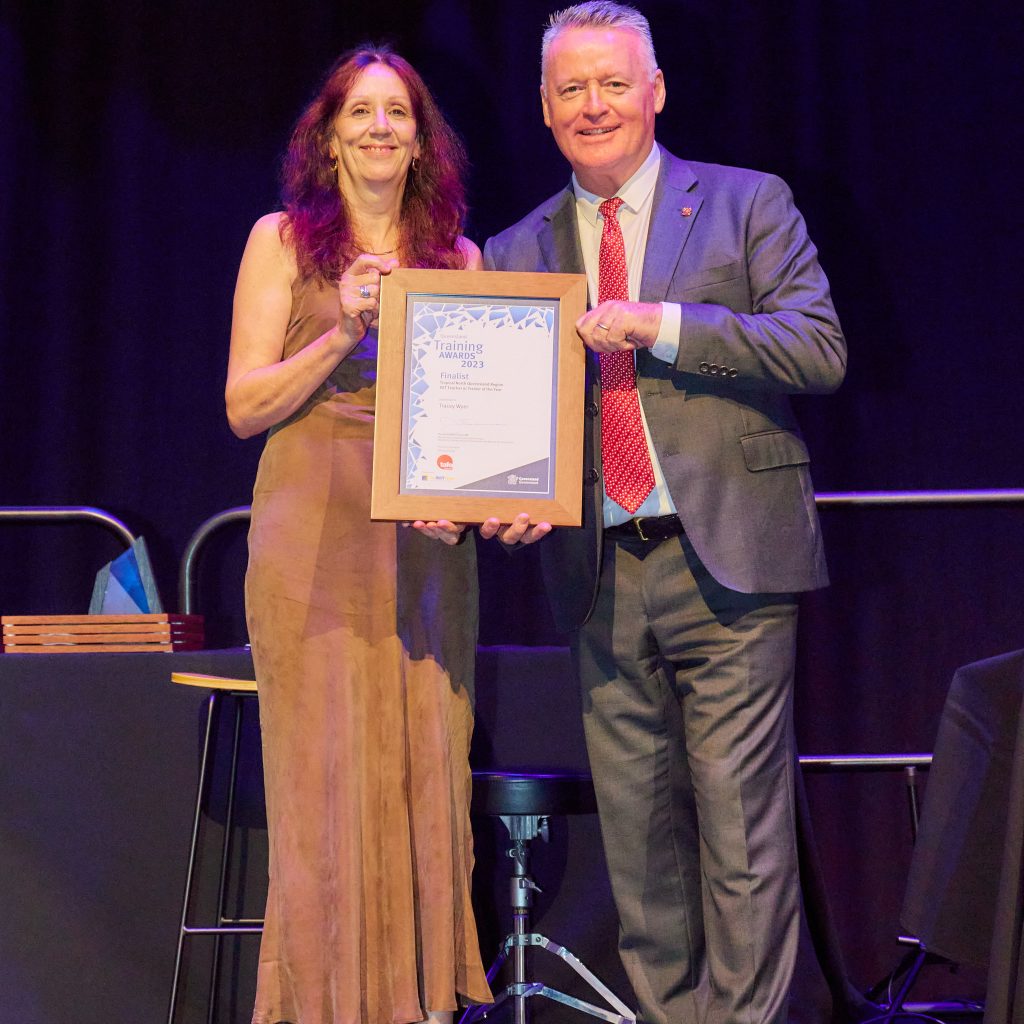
(479, 372)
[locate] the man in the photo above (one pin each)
(699, 520)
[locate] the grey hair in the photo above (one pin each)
(599, 14)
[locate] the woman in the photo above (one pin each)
(363, 633)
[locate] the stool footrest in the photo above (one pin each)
(223, 929)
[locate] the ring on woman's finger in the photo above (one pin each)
(364, 291)
(604, 327)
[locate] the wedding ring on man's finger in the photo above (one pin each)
(604, 327)
(364, 291)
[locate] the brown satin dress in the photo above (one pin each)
(363, 637)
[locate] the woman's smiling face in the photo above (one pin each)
(374, 138)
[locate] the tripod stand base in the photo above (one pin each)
(521, 990)
(903, 977)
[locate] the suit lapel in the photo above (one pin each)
(677, 202)
(559, 240)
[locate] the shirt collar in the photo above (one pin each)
(634, 193)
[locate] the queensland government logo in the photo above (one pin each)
(515, 480)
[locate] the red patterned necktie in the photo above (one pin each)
(628, 475)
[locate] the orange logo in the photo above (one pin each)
(445, 462)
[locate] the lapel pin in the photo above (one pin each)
(686, 211)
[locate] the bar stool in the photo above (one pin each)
(525, 802)
(221, 688)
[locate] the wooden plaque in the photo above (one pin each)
(480, 387)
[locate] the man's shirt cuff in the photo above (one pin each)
(666, 348)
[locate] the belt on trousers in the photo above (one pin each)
(649, 528)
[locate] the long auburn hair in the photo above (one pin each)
(317, 222)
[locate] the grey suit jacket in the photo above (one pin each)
(757, 325)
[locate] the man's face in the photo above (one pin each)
(599, 101)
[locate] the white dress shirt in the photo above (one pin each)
(637, 195)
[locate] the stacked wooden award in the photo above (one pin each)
(107, 634)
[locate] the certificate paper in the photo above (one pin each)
(480, 381)
(480, 386)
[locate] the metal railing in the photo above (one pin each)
(68, 513)
(187, 568)
(863, 762)
(858, 499)
(910, 764)
(917, 499)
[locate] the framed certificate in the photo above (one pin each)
(479, 397)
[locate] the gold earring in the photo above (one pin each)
(334, 165)
(415, 163)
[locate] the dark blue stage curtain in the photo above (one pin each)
(139, 142)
